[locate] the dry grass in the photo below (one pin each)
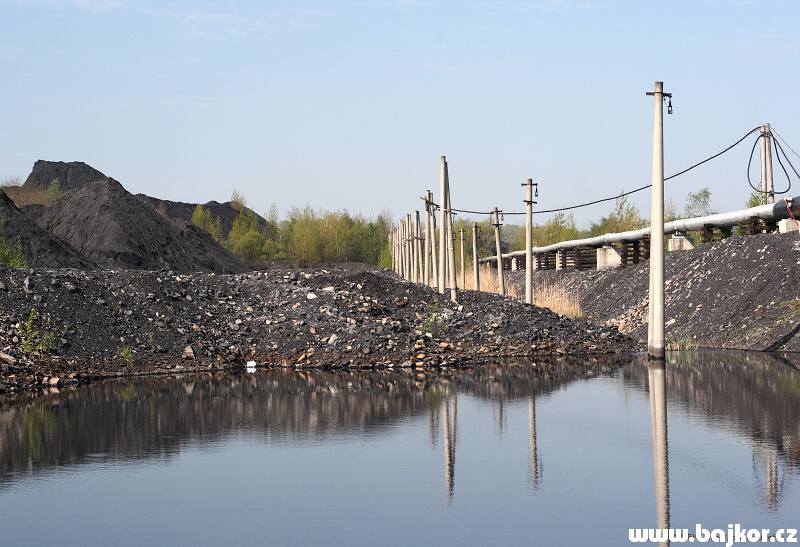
(556, 297)
(546, 294)
(22, 196)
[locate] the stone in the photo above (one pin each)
(188, 352)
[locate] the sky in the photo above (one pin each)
(350, 104)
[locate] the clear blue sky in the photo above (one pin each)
(350, 104)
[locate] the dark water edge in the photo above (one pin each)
(496, 454)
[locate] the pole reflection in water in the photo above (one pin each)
(450, 420)
(536, 468)
(766, 469)
(658, 418)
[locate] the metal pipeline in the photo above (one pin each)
(769, 212)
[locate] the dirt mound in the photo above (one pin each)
(129, 322)
(738, 293)
(41, 248)
(115, 229)
(70, 175)
(182, 211)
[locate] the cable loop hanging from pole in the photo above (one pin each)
(623, 194)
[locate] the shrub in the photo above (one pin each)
(33, 339)
(11, 252)
(203, 219)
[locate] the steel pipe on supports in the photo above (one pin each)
(771, 212)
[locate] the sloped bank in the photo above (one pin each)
(89, 324)
(738, 293)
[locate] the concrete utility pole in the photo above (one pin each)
(401, 257)
(501, 281)
(529, 241)
(442, 223)
(770, 182)
(655, 327)
(418, 247)
(463, 264)
(763, 196)
(412, 260)
(476, 271)
(451, 255)
(406, 249)
(427, 250)
(434, 255)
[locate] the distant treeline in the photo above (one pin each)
(306, 237)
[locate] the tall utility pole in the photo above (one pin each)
(476, 271)
(501, 281)
(463, 264)
(655, 326)
(434, 256)
(529, 240)
(451, 256)
(770, 182)
(418, 248)
(427, 250)
(412, 259)
(763, 196)
(442, 223)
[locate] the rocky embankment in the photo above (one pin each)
(738, 293)
(92, 324)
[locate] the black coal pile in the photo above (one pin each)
(70, 175)
(130, 322)
(41, 248)
(738, 293)
(115, 229)
(182, 211)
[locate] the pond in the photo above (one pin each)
(493, 455)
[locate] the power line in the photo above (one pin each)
(617, 196)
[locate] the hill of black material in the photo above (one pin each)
(70, 175)
(182, 211)
(41, 248)
(116, 229)
(738, 293)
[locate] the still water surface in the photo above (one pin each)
(497, 455)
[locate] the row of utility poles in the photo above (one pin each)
(415, 257)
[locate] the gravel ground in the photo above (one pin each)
(738, 293)
(93, 324)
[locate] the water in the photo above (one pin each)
(498, 455)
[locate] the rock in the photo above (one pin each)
(7, 359)
(70, 287)
(188, 352)
(311, 296)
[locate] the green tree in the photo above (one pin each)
(245, 239)
(560, 227)
(203, 219)
(53, 191)
(623, 218)
(698, 204)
